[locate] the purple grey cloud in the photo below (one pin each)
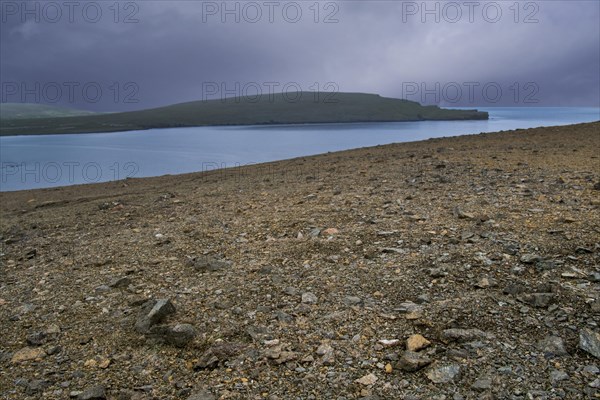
(539, 53)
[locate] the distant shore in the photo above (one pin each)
(274, 124)
(241, 111)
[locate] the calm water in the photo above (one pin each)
(29, 162)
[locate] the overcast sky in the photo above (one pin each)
(150, 53)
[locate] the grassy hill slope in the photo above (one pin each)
(10, 111)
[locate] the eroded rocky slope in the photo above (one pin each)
(452, 268)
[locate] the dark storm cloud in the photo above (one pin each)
(143, 54)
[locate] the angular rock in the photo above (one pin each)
(530, 258)
(589, 341)
(482, 384)
(217, 354)
(367, 380)
(388, 342)
(282, 357)
(328, 358)
(437, 272)
(259, 333)
(120, 283)
(557, 376)
(539, 300)
(552, 346)
(458, 212)
(387, 233)
(308, 359)
(28, 354)
(178, 335)
(153, 312)
(423, 298)
(291, 291)
(467, 235)
(324, 349)
(30, 253)
(93, 393)
(595, 306)
(408, 307)
(483, 283)
(591, 370)
(274, 352)
(352, 301)
(309, 298)
(444, 374)
(511, 249)
(411, 361)
(331, 231)
(202, 395)
(36, 338)
(514, 289)
(21, 382)
(207, 264)
(391, 250)
(36, 386)
(284, 317)
(303, 309)
(483, 259)
(207, 361)
(102, 289)
(52, 329)
(416, 343)
(272, 342)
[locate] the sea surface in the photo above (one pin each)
(41, 161)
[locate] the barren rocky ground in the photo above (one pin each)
(454, 268)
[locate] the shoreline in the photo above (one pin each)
(237, 167)
(304, 124)
(244, 110)
(309, 276)
(262, 125)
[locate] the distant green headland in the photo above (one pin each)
(291, 108)
(35, 110)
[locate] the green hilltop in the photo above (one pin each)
(310, 107)
(10, 111)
